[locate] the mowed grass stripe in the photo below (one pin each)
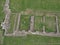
(32, 40)
(50, 24)
(12, 20)
(24, 23)
(38, 23)
(49, 5)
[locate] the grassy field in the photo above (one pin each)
(38, 23)
(19, 5)
(25, 22)
(49, 5)
(50, 24)
(32, 40)
(12, 22)
(1, 37)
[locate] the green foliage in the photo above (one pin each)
(25, 22)
(49, 5)
(50, 24)
(38, 25)
(32, 40)
(12, 21)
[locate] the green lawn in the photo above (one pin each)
(25, 22)
(16, 6)
(50, 24)
(1, 37)
(38, 23)
(12, 21)
(32, 40)
(49, 5)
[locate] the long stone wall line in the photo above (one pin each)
(5, 24)
(20, 33)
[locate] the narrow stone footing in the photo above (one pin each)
(32, 23)
(57, 28)
(15, 23)
(44, 24)
(17, 28)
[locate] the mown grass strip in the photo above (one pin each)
(49, 5)
(32, 40)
